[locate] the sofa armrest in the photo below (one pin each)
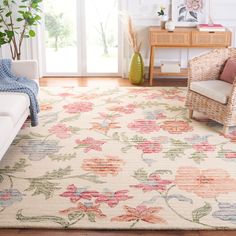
(208, 66)
(26, 68)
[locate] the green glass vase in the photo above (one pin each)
(136, 69)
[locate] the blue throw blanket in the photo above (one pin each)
(11, 83)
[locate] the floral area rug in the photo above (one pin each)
(121, 158)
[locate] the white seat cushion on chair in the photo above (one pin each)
(13, 105)
(214, 89)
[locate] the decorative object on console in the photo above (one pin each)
(211, 27)
(163, 16)
(170, 26)
(189, 13)
(170, 67)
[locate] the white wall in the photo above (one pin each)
(144, 15)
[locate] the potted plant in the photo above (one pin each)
(16, 23)
(163, 16)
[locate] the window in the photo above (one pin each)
(81, 38)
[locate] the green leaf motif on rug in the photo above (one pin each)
(55, 219)
(58, 174)
(17, 167)
(42, 187)
(201, 212)
(138, 139)
(63, 157)
(198, 157)
(141, 175)
(72, 118)
(178, 149)
(20, 138)
(78, 215)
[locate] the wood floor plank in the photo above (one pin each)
(104, 82)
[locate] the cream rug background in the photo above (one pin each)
(122, 158)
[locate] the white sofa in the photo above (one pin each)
(14, 107)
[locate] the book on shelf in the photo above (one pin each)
(211, 27)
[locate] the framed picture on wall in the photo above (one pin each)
(189, 13)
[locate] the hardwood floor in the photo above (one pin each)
(35, 232)
(106, 82)
(83, 82)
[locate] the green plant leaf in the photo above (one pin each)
(9, 14)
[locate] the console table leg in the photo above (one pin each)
(151, 65)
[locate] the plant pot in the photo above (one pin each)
(163, 20)
(136, 69)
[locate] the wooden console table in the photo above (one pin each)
(183, 38)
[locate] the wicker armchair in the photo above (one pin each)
(208, 67)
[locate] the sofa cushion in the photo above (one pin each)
(6, 126)
(13, 105)
(229, 72)
(215, 89)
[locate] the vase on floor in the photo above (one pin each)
(136, 69)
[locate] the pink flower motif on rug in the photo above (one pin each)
(104, 127)
(176, 127)
(78, 107)
(141, 213)
(138, 91)
(103, 166)
(90, 144)
(231, 155)
(10, 196)
(204, 147)
(45, 107)
(113, 199)
(128, 109)
(61, 131)
(209, 183)
(64, 95)
(153, 183)
(92, 211)
(144, 126)
(149, 147)
(75, 194)
(170, 92)
(176, 98)
(153, 96)
(86, 96)
(232, 136)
